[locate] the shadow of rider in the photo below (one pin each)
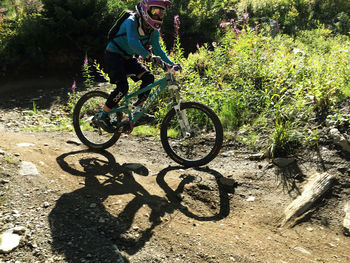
(82, 229)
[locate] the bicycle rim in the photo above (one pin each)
(88, 106)
(204, 141)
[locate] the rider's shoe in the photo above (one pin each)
(104, 122)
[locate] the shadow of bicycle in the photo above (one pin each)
(203, 194)
(84, 229)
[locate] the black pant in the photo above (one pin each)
(118, 69)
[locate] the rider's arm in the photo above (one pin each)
(157, 49)
(133, 39)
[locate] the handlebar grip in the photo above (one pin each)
(166, 66)
(177, 67)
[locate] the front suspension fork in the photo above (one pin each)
(183, 120)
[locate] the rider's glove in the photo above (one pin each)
(155, 60)
(177, 67)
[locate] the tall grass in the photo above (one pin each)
(293, 83)
(273, 92)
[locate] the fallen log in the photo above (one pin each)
(313, 190)
(346, 222)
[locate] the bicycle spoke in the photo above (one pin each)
(84, 121)
(200, 142)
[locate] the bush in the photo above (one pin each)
(56, 33)
(199, 19)
(299, 14)
(291, 83)
(22, 33)
(79, 27)
(343, 23)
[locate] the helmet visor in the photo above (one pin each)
(157, 13)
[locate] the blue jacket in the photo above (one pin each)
(133, 39)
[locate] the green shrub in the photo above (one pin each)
(22, 34)
(199, 22)
(297, 15)
(343, 23)
(291, 83)
(27, 46)
(56, 33)
(79, 27)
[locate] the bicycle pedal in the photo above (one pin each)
(94, 123)
(127, 126)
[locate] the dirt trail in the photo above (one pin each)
(133, 204)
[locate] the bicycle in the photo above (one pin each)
(191, 133)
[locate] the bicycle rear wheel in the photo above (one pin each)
(87, 107)
(201, 144)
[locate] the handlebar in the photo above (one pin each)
(158, 62)
(170, 68)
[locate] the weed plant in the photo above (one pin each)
(282, 86)
(270, 92)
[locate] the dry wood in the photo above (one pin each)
(346, 222)
(313, 190)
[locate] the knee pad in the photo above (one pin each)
(117, 94)
(147, 79)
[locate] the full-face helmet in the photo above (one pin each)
(153, 12)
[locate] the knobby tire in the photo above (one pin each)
(88, 106)
(205, 141)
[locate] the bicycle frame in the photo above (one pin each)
(162, 84)
(190, 132)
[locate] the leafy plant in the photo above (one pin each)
(259, 84)
(250, 75)
(9, 159)
(35, 110)
(298, 15)
(145, 131)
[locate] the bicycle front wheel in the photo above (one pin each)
(203, 139)
(87, 107)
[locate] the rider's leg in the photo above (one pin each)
(147, 78)
(140, 72)
(112, 101)
(117, 94)
(115, 66)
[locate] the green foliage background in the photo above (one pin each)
(270, 91)
(52, 34)
(284, 87)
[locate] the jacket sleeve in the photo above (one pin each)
(157, 49)
(133, 39)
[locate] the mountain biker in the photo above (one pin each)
(136, 35)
